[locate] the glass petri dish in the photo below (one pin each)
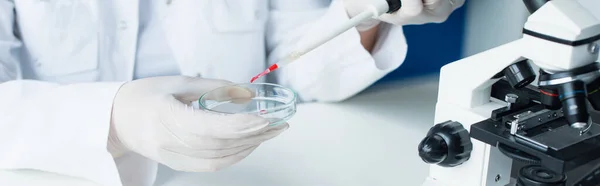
(271, 101)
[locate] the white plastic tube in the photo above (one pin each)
(314, 42)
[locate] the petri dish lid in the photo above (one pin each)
(271, 101)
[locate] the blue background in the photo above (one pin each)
(431, 46)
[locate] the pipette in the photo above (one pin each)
(374, 10)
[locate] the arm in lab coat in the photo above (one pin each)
(342, 67)
(55, 128)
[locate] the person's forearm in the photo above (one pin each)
(368, 38)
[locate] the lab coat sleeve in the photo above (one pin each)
(61, 129)
(337, 70)
(9, 44)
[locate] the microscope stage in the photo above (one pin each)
(555, 144)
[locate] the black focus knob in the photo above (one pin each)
(447, 144)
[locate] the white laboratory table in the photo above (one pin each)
(369, 140)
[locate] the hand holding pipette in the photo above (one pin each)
(368, 13)
(371, 11)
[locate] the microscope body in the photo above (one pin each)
(560, 38)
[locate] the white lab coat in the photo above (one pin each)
(58, 81)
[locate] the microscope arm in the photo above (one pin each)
(466, 83)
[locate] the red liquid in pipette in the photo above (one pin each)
(269, 70)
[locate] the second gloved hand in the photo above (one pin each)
(412, 12)
(153, 117)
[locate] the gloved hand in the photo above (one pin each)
(413, 12)
(154, 118)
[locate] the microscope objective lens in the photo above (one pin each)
(550, 99)
(574, 101)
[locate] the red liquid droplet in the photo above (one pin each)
(270, 69)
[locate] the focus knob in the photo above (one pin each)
(447, 144)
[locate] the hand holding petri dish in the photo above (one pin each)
(271, 101)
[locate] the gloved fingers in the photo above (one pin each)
(457, 4)
(433, 4)
(238, 132)
(213, 152)
(187, 120)
(185, 163)
(439, 11)
(201, 144)
(410, 8)
(233, 93)
(190, 89)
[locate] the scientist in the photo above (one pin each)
(99, 90)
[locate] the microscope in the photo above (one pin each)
(490, 113)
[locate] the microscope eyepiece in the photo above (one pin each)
(573, 96)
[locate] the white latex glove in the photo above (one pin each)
(412, 12)
(154, 118)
